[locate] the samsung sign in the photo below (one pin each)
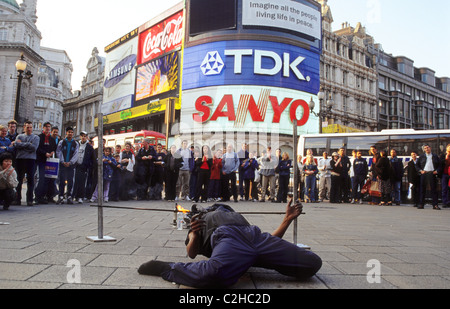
(251, 63)
(120, 71)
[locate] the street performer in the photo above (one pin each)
(233, 246)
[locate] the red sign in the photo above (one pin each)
(161, 39)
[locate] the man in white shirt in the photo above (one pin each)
(428, 166)
(324, 177)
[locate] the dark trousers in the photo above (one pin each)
(445, 189)
(193, 184)
(81, 176)
(126, 185)
(7, 196)
(214, 188)
(335, 196)
(226, 180)
(428, 179)
(171, 184)
(283, 187)
(25, 166)
(237, 248)
(45, 188)
(241, 182)
(345, 187)
(66, 174)
(415, 190)
(251, 189)
(357, 185)
(202, 185)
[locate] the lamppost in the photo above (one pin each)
(324, 112)
(21, 66)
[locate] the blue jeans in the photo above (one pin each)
(396, 191)
(310, 187)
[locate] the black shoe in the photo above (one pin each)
(154, 268)
(60, 201)
(69, 201)
(436, 207)
(30, 204)
(421, 207)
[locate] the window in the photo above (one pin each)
(318, 145)
(3, 34)
(39, 103)
(424, 78)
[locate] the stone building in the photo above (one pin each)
(18, 36)
(348, 75)
(410, 97)
(81, 109)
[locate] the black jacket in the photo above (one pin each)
(413, 173)
(44, 148)
(423, 161)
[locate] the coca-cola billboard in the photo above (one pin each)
(161, 39)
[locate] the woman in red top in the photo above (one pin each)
(214, 180)
(204, 164)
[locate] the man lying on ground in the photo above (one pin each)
(233, 246)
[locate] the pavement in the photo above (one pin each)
(46, 246)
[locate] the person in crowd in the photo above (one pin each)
(85, 163)
(373, 174)
(114, 186)
(429, 167)
(5, 143)
(243, 155)
(397, 177)
(46, 150)
(109, 163)
(204, 164)
(26, 145)
(145, 168)
(310, 170)
(360, 169)
(345, 177)
(8, 180)
(230, 165)
(249, 169)
(284, 170)
(55, 134)
(384, 172)
(157, 183)
(117, 149)
(184, 174)
(127, 162)
(336, 171)
(230, 242)
(214, 180)
(67, 152)
(193, 173)
(324, 177)
(12, 130)
(301, 178)
(267, 166)
(445, 164)
(351, 172)
(414, 178)
(172, 163)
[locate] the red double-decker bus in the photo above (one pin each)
(135, 138)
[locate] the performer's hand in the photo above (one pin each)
(293, 212)
(197, 225)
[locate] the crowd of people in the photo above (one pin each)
(145, 172)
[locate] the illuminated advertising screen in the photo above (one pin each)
(260, 63)
(284, 15)
(158, 76)
(246, 109)
(161, 38)
(120, 79)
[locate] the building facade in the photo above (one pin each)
(410, 97)
(18, 36)
(81, 109)
(348, 76)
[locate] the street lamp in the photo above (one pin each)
(324, 112)
(21, 66)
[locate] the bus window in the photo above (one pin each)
(364, 143)
(336, 143)
(138, 139)
(404, 144)
(111, 143)
(317, 144)
(444, 140)
(129, 140)
(120, 141)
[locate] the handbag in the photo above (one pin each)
(366, 188)
(52, 168)
(375, 189)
